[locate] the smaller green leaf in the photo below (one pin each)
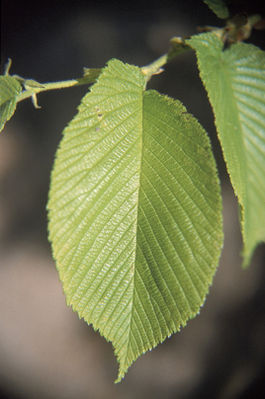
(10, 88)
(235, 82)
(218, 7)
(32, 84)
(92, 73)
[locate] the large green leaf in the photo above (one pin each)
(10, 88)
(218, 7)
(235, 82)
(134, 213)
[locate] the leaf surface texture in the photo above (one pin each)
(134, 213)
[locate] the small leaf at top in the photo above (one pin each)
(235, 82)
(135, 214)
(92, 73)
(218, 7)
(32, 84)
(10, 88)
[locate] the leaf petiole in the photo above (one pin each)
(32, 90)
(177, 46)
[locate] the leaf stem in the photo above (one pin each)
(31, 90)
(177, 46)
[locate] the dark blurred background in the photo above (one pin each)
(46, 352)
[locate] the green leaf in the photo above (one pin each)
(91, 73)
(235, 82)
(134, 213)
(218, 7)
(10, 88)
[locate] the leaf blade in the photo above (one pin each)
(218, 7)
(235, 82)
(10, 88)
(113, 219)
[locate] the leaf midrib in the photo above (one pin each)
(127, 361)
